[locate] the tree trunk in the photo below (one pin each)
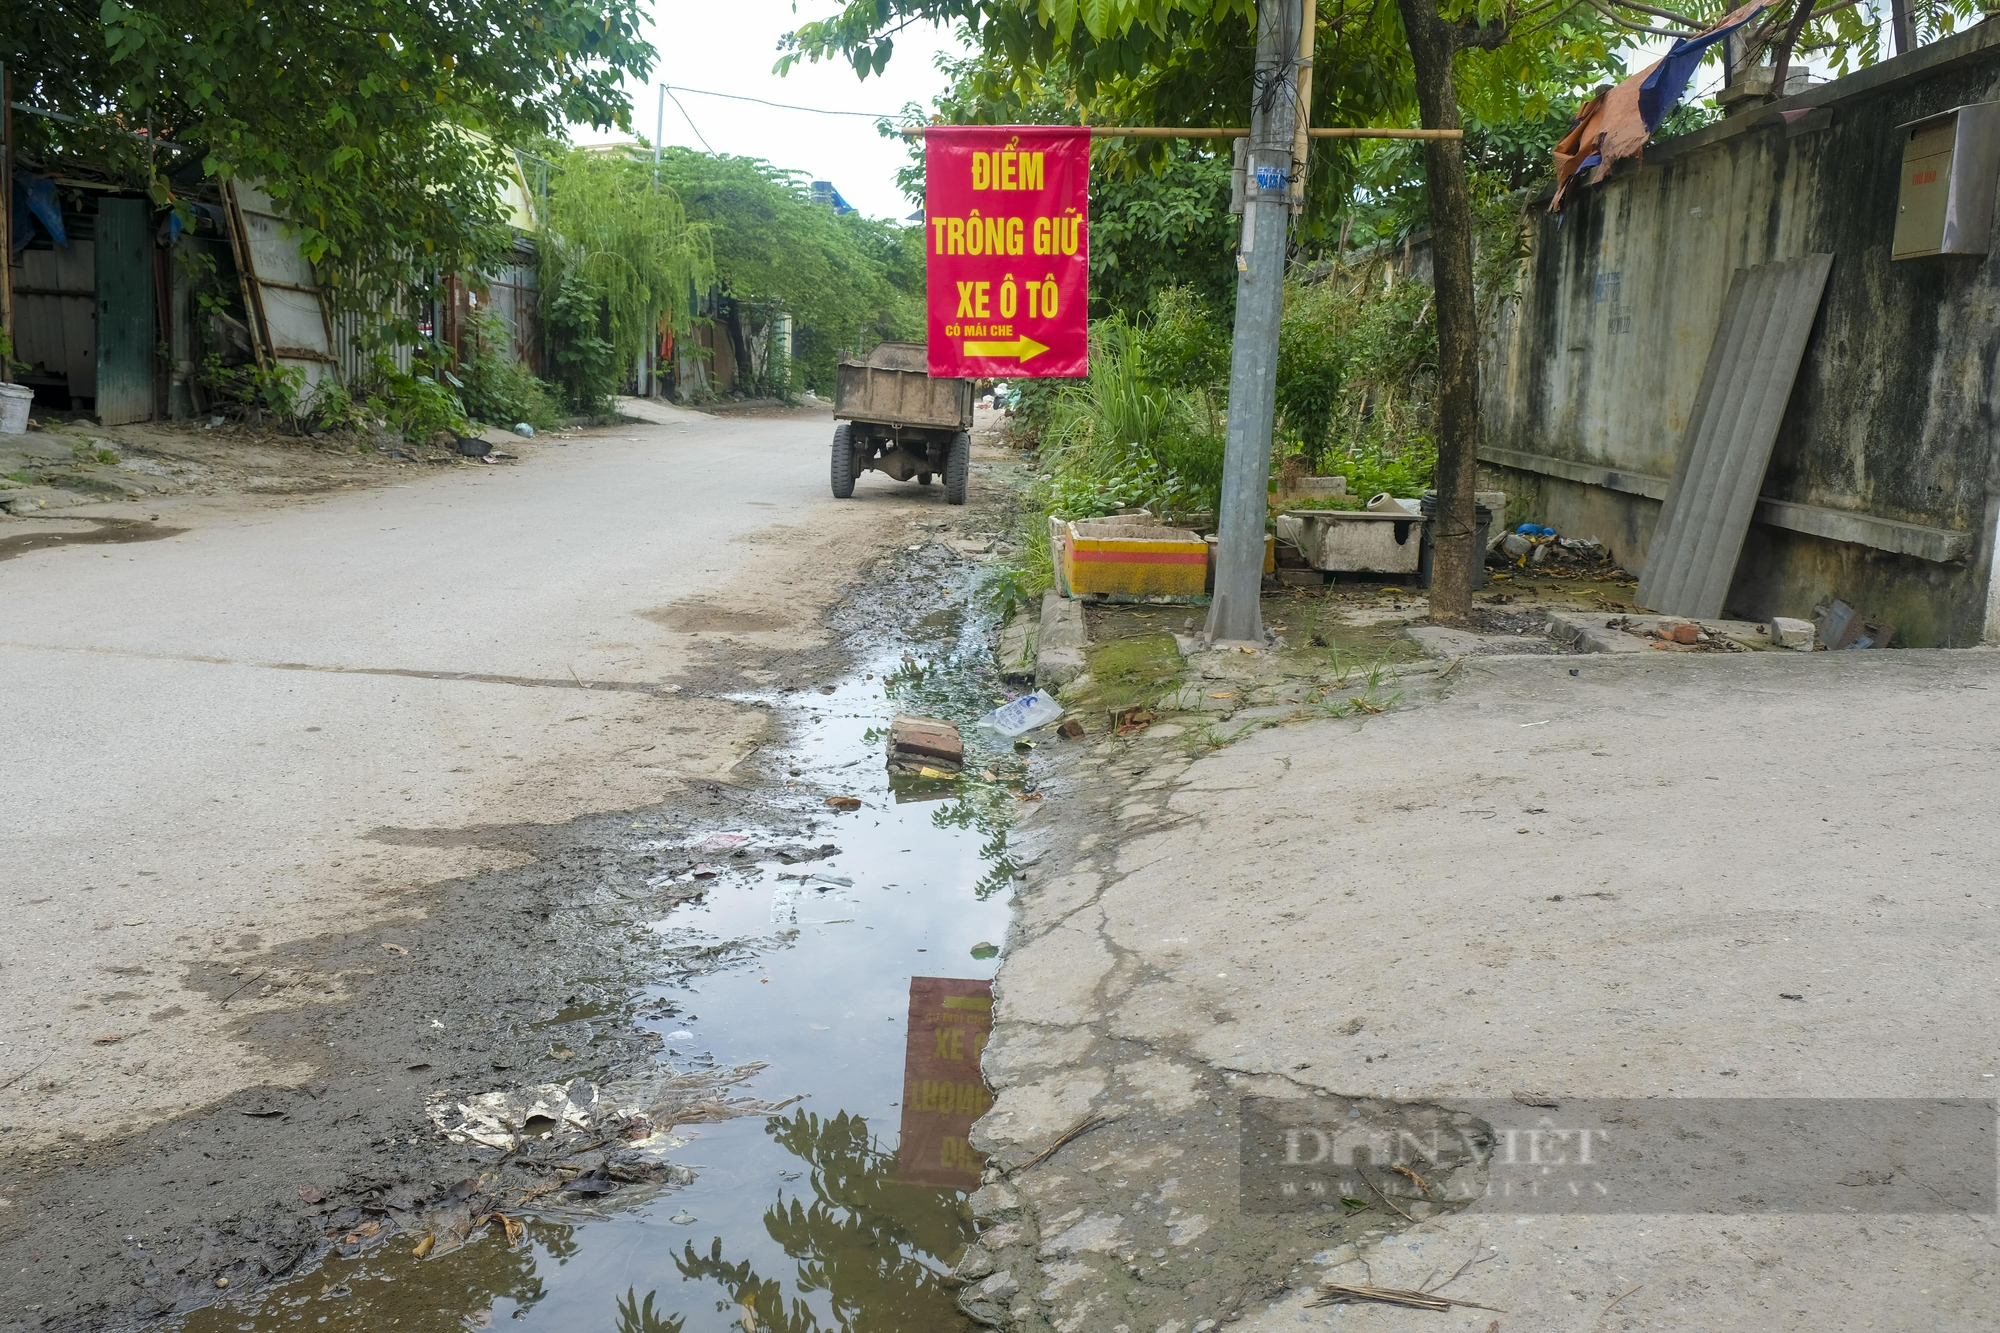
(1455, 559)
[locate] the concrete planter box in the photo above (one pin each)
(1133, 558)
(1354, 542)
(1270, 557)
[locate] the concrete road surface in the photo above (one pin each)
(286, 716)
(1676, 879)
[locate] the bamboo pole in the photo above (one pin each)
(1171, 132)
(1302, 139)
(246, 274)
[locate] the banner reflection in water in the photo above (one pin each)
(943, 1092)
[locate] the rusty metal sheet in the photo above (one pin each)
(1752, 364)
(943, 1091)
(55, 319)
(901, 398)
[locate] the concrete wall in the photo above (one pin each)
(1878, 491)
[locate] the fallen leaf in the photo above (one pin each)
(267, 1113)
(108, 1039)
(308, 1194)
(844, 802)
(424, 1246)
(1028, 796)
(394, 948)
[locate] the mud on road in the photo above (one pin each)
(541, 974)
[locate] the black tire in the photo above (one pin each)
(957, 464)
(843, 461)
(923, 479)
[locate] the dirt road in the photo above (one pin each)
(258, 760)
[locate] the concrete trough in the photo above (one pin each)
(1352, 541)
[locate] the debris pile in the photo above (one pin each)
(507, 1119)
(1542, 549)
(1677, 636)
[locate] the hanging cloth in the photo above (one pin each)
(1618, 122)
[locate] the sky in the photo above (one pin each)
(730, 46)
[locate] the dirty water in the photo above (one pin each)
(116, 533)
(805, 1220)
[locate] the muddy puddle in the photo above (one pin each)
(113, 533)
(843, 1210)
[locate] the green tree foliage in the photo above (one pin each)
(613, 234)
(848, 282)
(1189, 62)
(495, 386)
(1160, 226)
(376, 125)
(586, 369)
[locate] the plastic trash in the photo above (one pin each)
(1023, 715)
(524, 430)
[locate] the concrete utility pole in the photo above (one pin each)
(1235, 615)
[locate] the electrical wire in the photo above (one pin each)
(782, 106)
(684, 115)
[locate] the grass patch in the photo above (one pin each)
(1135, 670)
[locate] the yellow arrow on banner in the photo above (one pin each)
(1023, 348)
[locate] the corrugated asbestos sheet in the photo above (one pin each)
(1751, 365)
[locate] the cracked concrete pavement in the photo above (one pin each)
(1750, 876)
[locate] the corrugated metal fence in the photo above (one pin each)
(511, 292)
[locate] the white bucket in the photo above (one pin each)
(14, 402)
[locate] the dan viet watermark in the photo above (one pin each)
(1651, 1155)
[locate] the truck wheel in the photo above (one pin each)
(956, 465)
(843, 461)
(923, 479)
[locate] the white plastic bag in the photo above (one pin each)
(1023, 715)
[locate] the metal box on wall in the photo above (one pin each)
(1951, 162)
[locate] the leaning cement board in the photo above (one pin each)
(1766, 319)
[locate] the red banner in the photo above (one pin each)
(1007, 245)
(943, 1091)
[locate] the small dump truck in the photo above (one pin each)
(895, 418)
